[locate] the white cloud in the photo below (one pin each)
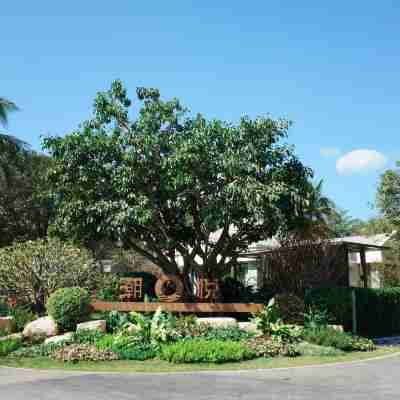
(360, 161)
(329, 151)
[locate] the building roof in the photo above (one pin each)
(375, 242)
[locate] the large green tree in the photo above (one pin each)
(163, 182)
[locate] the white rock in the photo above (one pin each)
(7, 324)
(337, 327)
(217, 322)
(67, 337)
(43, 326)
(99, 325)
(248, 327)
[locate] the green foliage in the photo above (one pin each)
(160, 327)
(116, 320)
(325, 336)
(234, 291)
(267, 318)
(22, 315)
(315, 350)
(33, 270)
(267, 347)
(230, 333)
(134, 348)
(8, 346)
(200, 350)
(335, 301)
(69, 306)
(38, 350)
(388, 195)
(162, 182)
(316, 317)
(377, 309)
(24, 208)
(3, 307)
(87, 336)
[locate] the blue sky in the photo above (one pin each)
(331, 67)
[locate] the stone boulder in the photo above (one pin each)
(248, 327)
(99, 325)
(44, 326)
(7, 324)
(66, 338)
(218, 322)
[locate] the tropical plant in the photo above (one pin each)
(316, 317)
(6, 106)
(161, 184)
(267, 318)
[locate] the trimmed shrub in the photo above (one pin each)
(210, 351)
(378, 310)
(69, 306)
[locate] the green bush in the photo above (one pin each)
(69, 306)
(378, 310)
(329, 337)
(209, 351)
(8, 346)
(22, 315)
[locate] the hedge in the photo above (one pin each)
(378, 310)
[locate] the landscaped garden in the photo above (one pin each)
(73, 337)
(188, 196)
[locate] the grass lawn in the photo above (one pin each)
(163, 366)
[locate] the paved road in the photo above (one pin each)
(377, 379)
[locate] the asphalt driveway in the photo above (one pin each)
(375, 379)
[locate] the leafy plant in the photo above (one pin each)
(326, 336)
(315, 350)
(22, 316)
(201, 350)
(69, 306)
(8, 346)
(116, 320)
(316, 317)
(267, 317)
(87, 336)
(230, 333)
(133, 348)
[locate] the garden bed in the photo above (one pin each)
(151, 366)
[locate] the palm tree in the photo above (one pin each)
(318, 214)
(6, 106)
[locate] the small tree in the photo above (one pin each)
(33, 270)
(164, 182)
